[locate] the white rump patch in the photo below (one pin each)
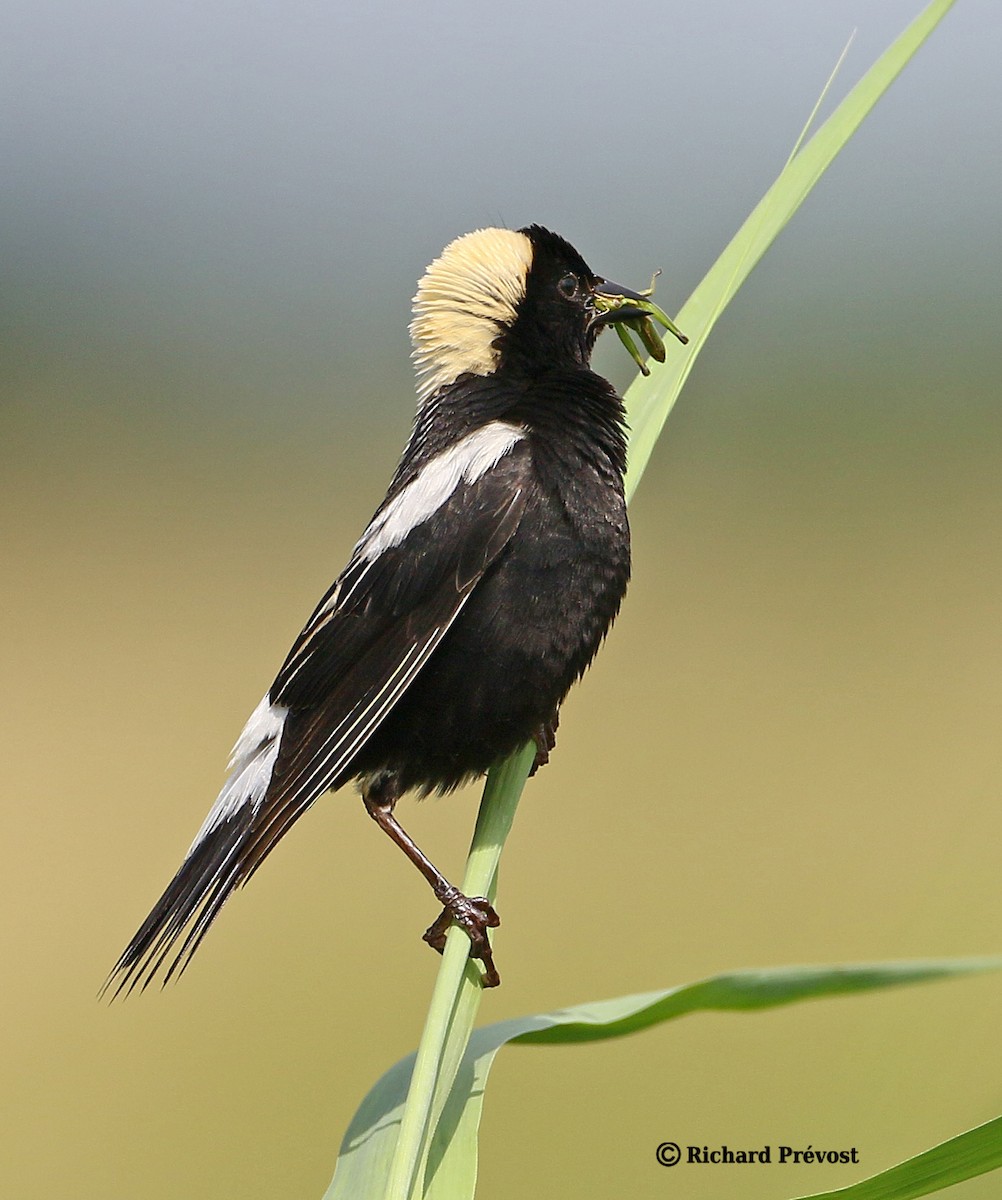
(471, 457)
(251, 764)
(467, 296)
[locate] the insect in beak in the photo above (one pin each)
(633, 313)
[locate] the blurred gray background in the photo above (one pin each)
(212, 219)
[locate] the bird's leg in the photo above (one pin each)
(473, 914)
(545, 738)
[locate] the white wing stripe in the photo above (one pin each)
(466, 461)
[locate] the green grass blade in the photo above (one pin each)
(405, 1148)
(962, 1157)
(386, 1147)
(450, 1170)
(460, 996)
(650, 399)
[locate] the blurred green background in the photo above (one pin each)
(212, 218)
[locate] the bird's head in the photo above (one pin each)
(519, 299)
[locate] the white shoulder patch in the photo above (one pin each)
(467, 295)
(251, 764)
(465, 462)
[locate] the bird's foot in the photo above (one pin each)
(545, 738)
(474, 915)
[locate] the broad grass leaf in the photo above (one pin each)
(451, 1166)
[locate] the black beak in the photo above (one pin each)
(632, 313)
(620, 309)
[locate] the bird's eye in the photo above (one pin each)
(568, 287)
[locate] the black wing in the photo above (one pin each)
(365, 645)
(358, 654)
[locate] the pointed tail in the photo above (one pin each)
(213, 867)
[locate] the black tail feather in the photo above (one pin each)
(191, 902)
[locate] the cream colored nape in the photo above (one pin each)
(467, 295)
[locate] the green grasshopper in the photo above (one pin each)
(640, 323)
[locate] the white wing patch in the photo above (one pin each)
(465, 462)
(251, 764)
(465, 298)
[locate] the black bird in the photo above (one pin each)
(477, 595)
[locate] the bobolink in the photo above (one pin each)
(477, 595)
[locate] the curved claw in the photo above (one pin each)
(474, 915)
